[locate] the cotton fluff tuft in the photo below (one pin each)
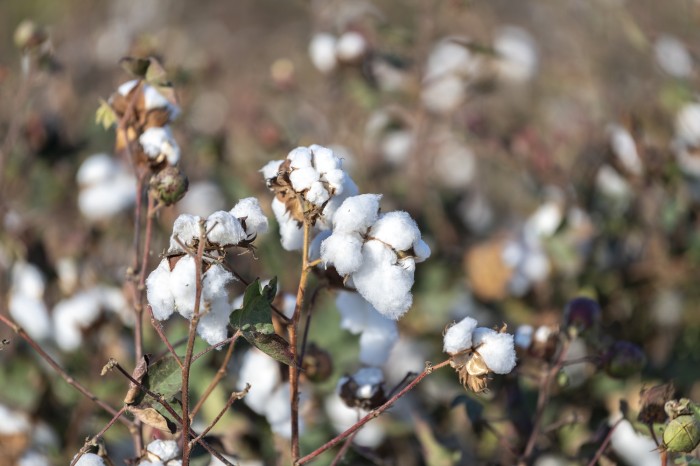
(278, 412)
(357, 213)
(159, 141)
(262, 373)
(271, 169)
(106, 187)
(26, 300)
(164, 450)
(186, 230)
(224, 229)
(13, 422)
(250, 214)
(90, 459)
(397, 229)
(496, 349)
(633, 448)
(459, 336)
(291, 234)
(344, 251)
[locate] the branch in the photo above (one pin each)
(96, 437)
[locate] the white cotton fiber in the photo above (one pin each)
(317, 194)
(186, 230)
(262, 373)
(127, 87)
(104, 200)
(357, 213)
(396, 229)
(422, 250)
(303, 178)
(71, 315)
(249, 212)
(154, 99)
(160, 140)
(315, 246)
(382, 282)
(224, 229)
(496, 349)
(459, 336)
(271, 169)
(349, 189)
(523, 336)
(371, 435)
(300, 158)
(90, 459)
(368, 379)
(183, 286)
(213, 324)
(96, 169)
(688, 124)
(278, 412)
(354, 311)
(343, 251)
(31, 314)
(633, 448)
(13, 422)
(291, 233)
(164, 450)
(324, 158)
(335, 179)
(376, 344)
(158, 292)
(322, 52)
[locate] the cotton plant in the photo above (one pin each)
(376, 253)
(477, 352)
(171, 287)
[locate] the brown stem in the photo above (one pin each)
(186, 421)
(70, 380)
(344, 449)
(159, 330)
(542, 399)
(218, 345)
(217, 378)
(605, 442)
(371, 415)
(292, 332)
(97, 436)
(231, 399)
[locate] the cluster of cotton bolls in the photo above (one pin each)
(24, 443)
(478, 351)
(268, 394)
(327, 51)
(377, 253)
(106, 187)
(171, 286)
(313, 173)
(157, 139)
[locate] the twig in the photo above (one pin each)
(231, 399)
(97, 436)
(218, 345)
(159, 330)
(344, 449)
(217, 378)
(605, 442)
(371, 415)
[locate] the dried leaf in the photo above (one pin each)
(137, 67)
(150, 416)
(132, 396)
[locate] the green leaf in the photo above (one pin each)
(105, 116)
(165, 377)
(155, 73)
(434, 453)
(254, 320)
(137, 67)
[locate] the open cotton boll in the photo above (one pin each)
(262, 373)
(354, 311)
(186, 230)
(335, 179)
(157, 141)
(271, 169)
(443, 95)
(154, 99)
(351, 46)
(315, 246)
(369, 380)
(517, 54)
(291, 233)
(422, 250)
(31, 314)
(450, 57)
(71, 315)
(371, 435)
(96, 169)
(248, 211)
(278, 412)
(300, 157)
(303, 178)
(673, 57)
(103, 200)
(397, 229)
(158, 292)
(349, 189)
(382, 282)
(343, 251)
(90, 459)
(633, 448)
(317, 194)
(459, 336)
(164, 450)
(688, 124)
(322, 52)
(325, 160)
(212, 326)
(357, 213)
(625, 149)
(496, 349)
(376, 344)
(224, 229)
(183, 286)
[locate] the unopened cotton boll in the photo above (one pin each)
(496, 349)
(633, 448)
(688, 124)
(459, 336)
(517, 54)
(250, 214)
(90, 459)
(673, 57)
(322, 52)
(159, 141)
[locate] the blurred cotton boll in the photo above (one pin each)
(518, 58)
(322, 52)
(202, 199)
(351, 47)
(455, 164)
(451, 57)
(633, 448)
(26, 303)
(611, 184)
(444, 94)
(106, 187)
(625, 149)
(673, 57)
(688, 124)
(389, 135)
(371, 435)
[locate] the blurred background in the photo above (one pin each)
(547, 149)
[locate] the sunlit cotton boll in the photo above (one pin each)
(322, 52)
(633, 448)
(159, 142)
(371, 435)
(517, 54)
(496, 349)
(459, 336)
(202, 199)
(26, 301)
(106, 187)
(672, 56)
(251, 215)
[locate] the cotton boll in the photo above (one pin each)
(90, 459)
(455, 165)
(443, 95)
(351, 47)
(31, 314)
(335, 179)
(271, 169)
(157, 141)
(325, 160)
(13, 422)
(397, 229)
(687, 161)
(371, 435)
(523, 336)
(186, 229)
(127, 87)
(153, 99)
(610, 183)
(496, 349)
(688, 124)
(292, 235)
(459, 336)
(381, 282)
(357, 213)
(673, 57)
(633, 448)
(183, 286)
(248, 211)
(317, 194)
(303, 178)
(107, 198)
(212, 326)
(315, 246)
(343, 251)
(322, 52)
(202, 199)
(33, 458)
(224, 229)
(376, 344)
(546, 219)
(421, 250)
(278, 412)
(369, 380)
(349, 189)
(96, 169)
(449, 57)
(625, 149)
(262, 373)
(164, 450)
(70, 316)
(158, 292)
(299, 158)
(517, 52)
(354, 311)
